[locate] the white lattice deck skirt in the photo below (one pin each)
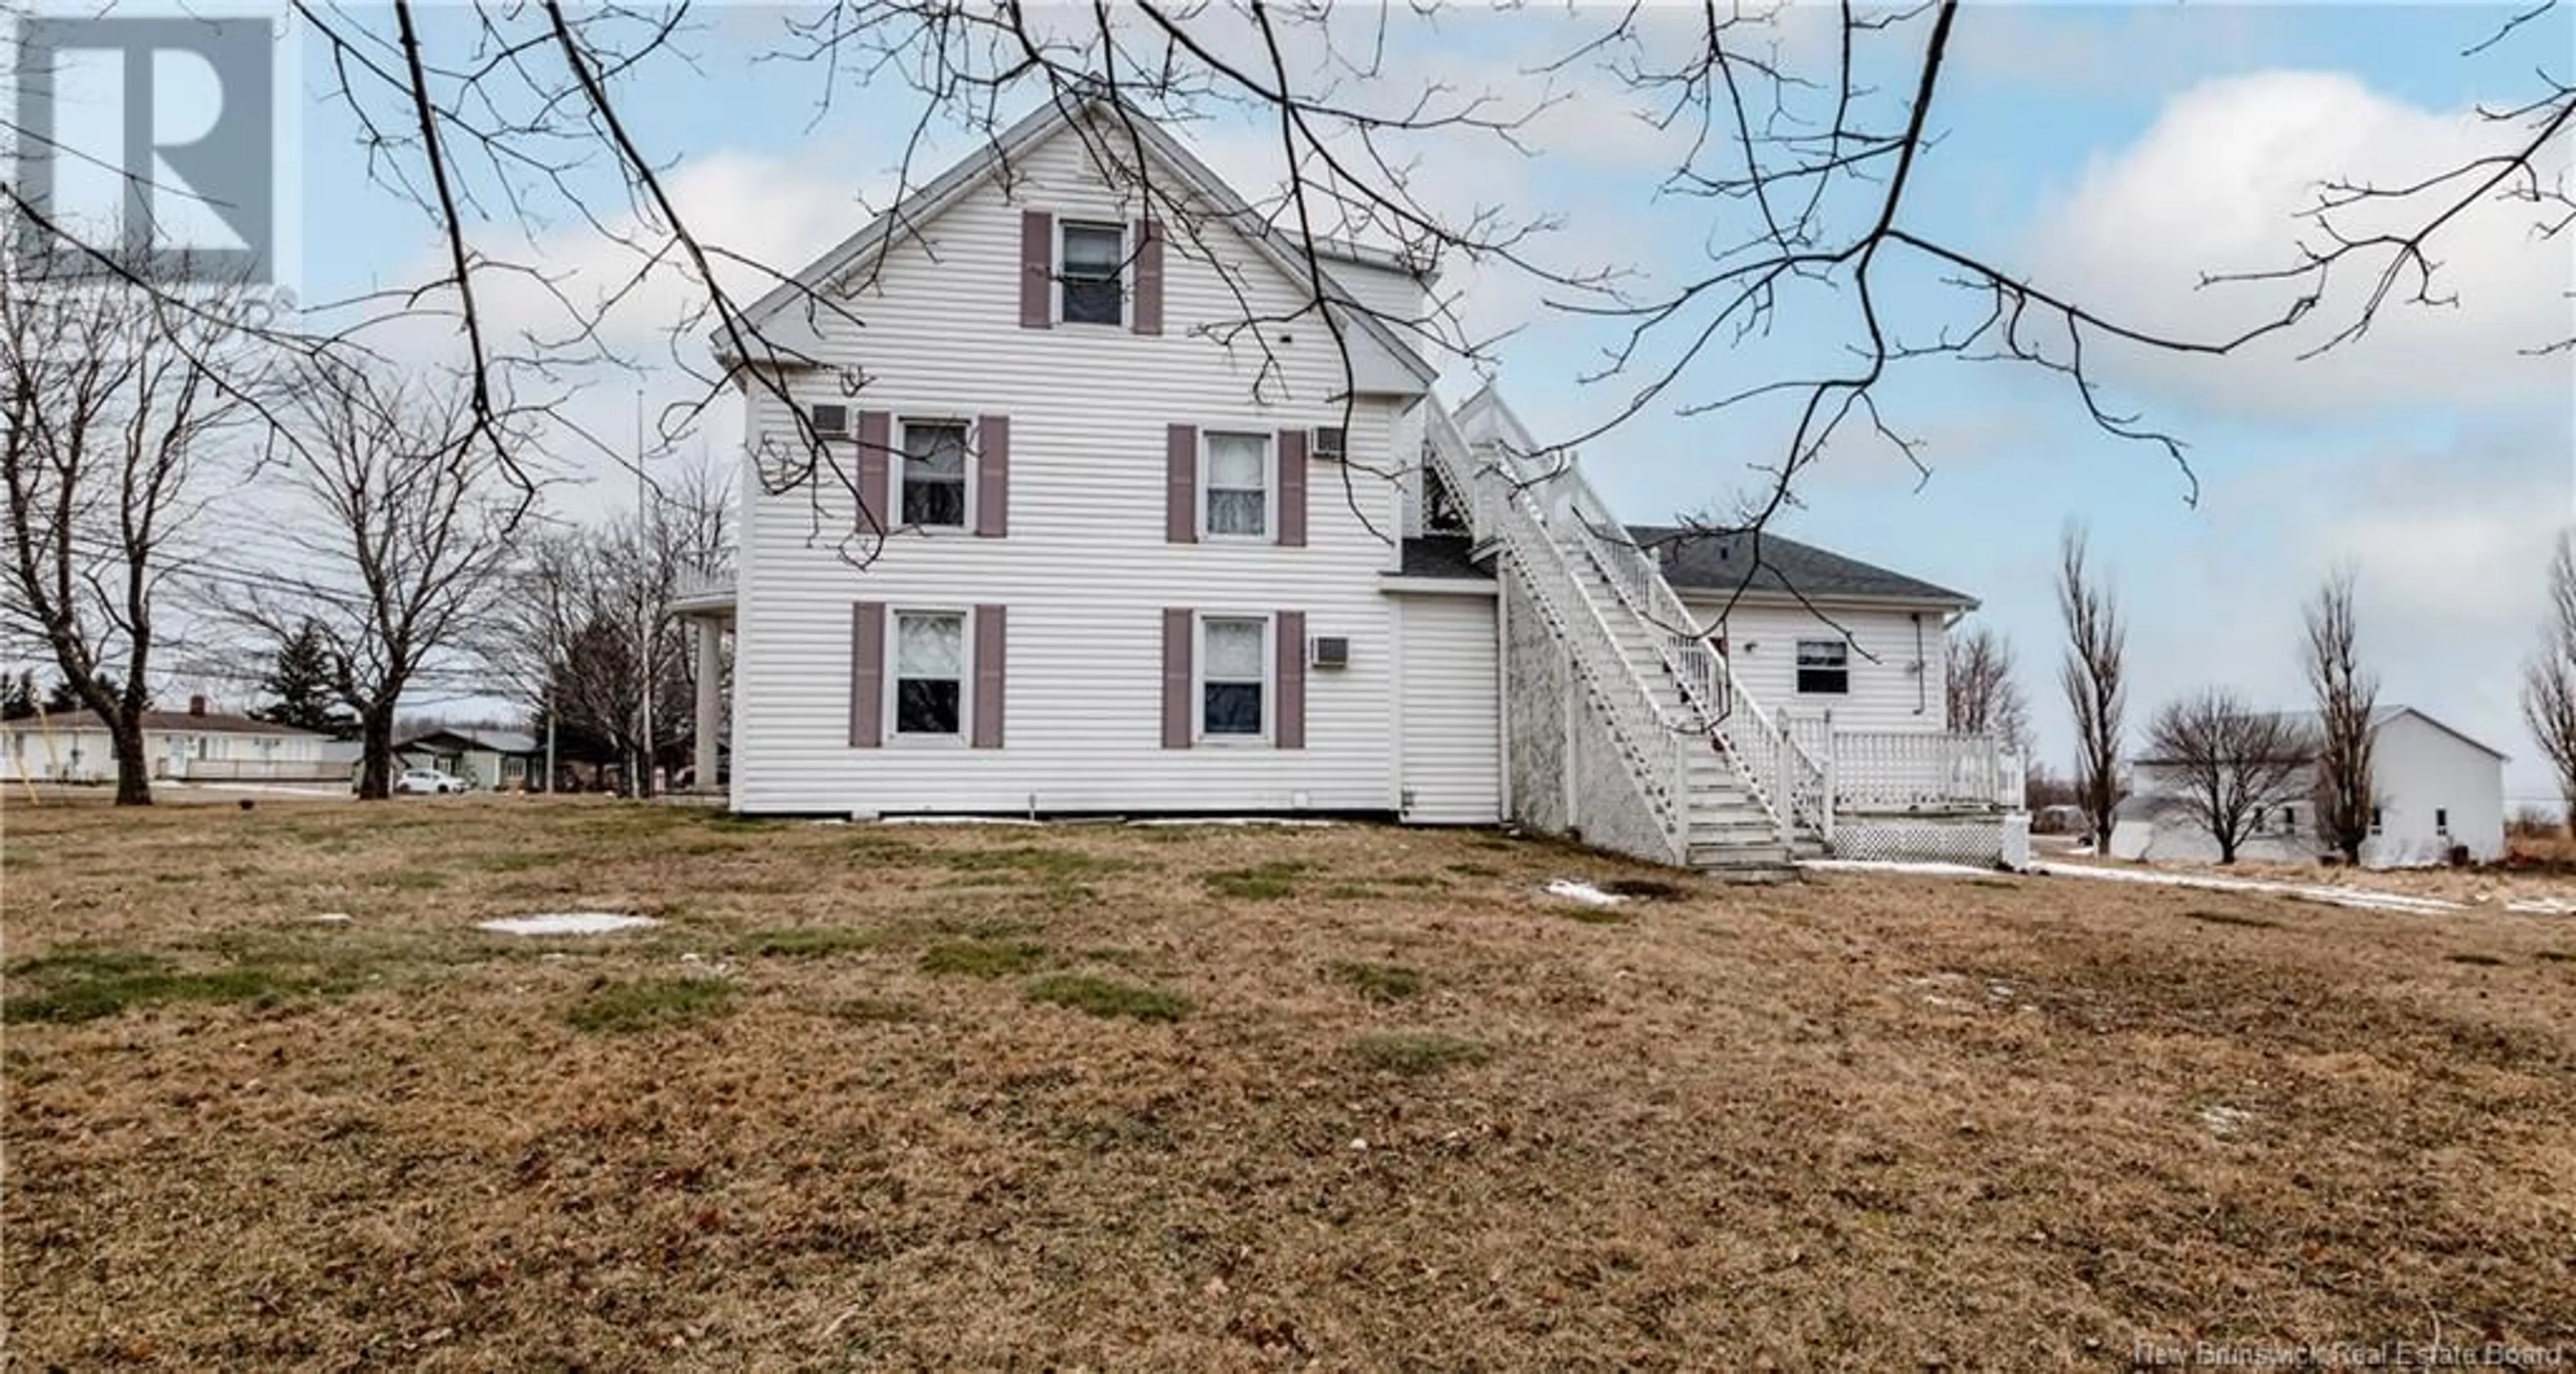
(1953, 839)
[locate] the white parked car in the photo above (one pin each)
(427, 780)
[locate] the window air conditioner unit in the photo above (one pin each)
(832, 421)
(1329, 651)
(1329, 442)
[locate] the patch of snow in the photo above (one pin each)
(1574, 889)
(958, 820)
(2224, 1121)
(2543, 906)
(2368, 899)
(565, 923)
(1292, 822)
(331, 918)
(2362, 898)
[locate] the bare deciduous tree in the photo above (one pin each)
(2229, 766)
(2093, 676)
(2346, 695)
(116, 405)
(583, 603)
(1799, 133)
(2549, 675)
(1983, 697)
(403, 535)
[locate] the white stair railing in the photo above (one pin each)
(1787, 781)
(1504, 515)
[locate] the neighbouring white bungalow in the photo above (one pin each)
(2437, 791)
(195, 745)
(1135, 564)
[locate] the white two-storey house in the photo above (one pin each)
(1060, 497)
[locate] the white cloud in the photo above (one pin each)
(2217, 184)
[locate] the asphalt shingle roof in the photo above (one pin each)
(1442, 555)
(1716, 562)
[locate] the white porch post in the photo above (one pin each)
(1833, 772)
(710, 701)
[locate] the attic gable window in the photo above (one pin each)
(1089, 266)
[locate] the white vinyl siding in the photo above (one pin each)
(1086, 571)
(1885, 691)
(1452, 711)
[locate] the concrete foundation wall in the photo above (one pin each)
(1567, 776)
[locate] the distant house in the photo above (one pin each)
(195, 745)
(495, 760)
(2437, 789)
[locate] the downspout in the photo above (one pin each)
(1922, 668)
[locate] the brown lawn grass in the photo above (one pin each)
(1218, 1099)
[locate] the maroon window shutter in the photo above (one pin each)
(1292, 488)
(1037, 269)
(993, 476)
(1149, 277)
(1178, 624)
(1290, 730)
(876, 440)
(990, 636)
(1181, 484)
(867, 674)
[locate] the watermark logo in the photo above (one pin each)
(155, 145)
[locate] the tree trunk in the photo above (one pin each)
(376, 754)
(133, 769)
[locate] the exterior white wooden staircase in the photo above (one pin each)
(1730, 790)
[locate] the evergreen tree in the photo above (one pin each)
(62, 700)
(18, 696)
(303, 686)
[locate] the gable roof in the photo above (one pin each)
(473, 737)
(1717, 562)
(2312, 723)
(909, 214)
(182, 722)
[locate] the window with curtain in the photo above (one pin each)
(934, 472)
(1238, 485)
(1232, 676)
(929, 672)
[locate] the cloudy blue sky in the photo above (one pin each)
(2112, 152)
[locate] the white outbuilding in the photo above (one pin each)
(2437, 791)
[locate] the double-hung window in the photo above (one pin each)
(929, 674)
(1091, 266)
(1824, 667)
(934, 473)
(1236, 483)
(1234, 677)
